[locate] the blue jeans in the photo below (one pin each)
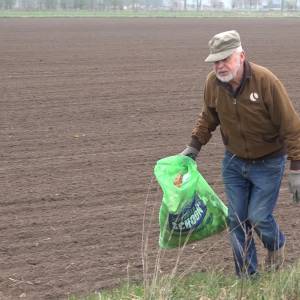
(252, 189)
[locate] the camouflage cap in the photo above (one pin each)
(222, 45)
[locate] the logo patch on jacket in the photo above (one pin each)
(254, 97)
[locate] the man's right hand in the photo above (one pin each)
(191, 152)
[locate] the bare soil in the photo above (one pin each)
(87, 108)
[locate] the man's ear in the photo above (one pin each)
(243, 56)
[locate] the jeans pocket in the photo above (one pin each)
(227, 160)
(275, 163)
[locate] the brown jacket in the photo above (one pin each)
(255, 121)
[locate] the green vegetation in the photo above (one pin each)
(283, 285)
(137, 14)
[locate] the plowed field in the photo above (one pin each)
(87, 108)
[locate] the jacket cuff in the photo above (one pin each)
(295, 165)
(197, 145)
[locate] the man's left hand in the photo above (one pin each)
(294, 184)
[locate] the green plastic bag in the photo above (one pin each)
(190, 210)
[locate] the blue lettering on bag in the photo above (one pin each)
(190, 217)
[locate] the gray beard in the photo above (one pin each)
(226, 78)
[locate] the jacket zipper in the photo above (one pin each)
(239, 121)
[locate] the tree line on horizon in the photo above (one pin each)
(101, 5)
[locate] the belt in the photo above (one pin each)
(275, 154)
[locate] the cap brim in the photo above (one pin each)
(213, 57)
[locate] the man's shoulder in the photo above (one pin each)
(211, 77)
(262, 72)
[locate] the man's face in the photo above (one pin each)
(227, 69)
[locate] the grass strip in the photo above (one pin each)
(282, 285)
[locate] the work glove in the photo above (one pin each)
(193, 152)
(294, 184)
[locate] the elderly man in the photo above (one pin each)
(260, 130)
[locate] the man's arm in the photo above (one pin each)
(207, 122)
(284, 115)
